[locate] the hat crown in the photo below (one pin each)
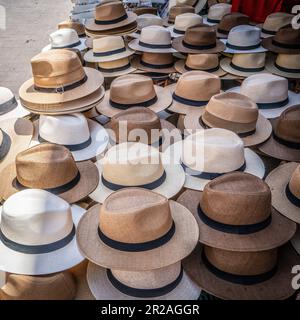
(202, 61)
(109, 11)
(200, 35)
(45, 166)
(114, 64)
(186, 20)
(203, 150)
(237, 199)
(179, 9)
(217, 11)
(55, 68)
(289, 61)
(232, 20)
(147, 19)
(294, 183)
(69, 129)
(5, 95)
(141, 89)
(155, 35)
(249, 60)
(63, 38)
(287, 36)
(244, 35)
(277, 20)
(157, 58)
(135, 216)
(198, 85)
(132, 164)
(42, 218)
(77, 26)
(108, 43)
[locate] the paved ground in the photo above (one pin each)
(28, 24)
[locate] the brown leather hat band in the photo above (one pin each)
(113, 21)
(8, 106)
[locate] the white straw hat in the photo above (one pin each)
(184, 21)
(216, 13)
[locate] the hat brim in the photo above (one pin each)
(103, 289)
(134, 45)
(164, 100)
(277, 180)
(124, 31)
(277, 288)
(178, 45)
(81, 47)
(180, 245)
(180, 67)
(294, 99)
(18, 112)
(89, 56)
(268, 44)
(136, 62)
(296, 241)
(47, 263)
(280, 230)
(271, 67)
(89, 179)
(229, 50)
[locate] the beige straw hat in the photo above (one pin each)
(146, 20)
(116, 68)
(285, 65)
(183, 22)
(137, 230)
(216, 12)
(274, 22)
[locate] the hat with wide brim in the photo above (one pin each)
(269, 45)
(178, 247)
(136, 62)
(271, 67)
(277, 233)
(47, 263)
(263, 130)
(17, 112)
(99, 141)
(296, 241)
(226, 65)
(18, 134)
(89, 56)
(277, 288)
(294, 99)
(87, 183)
(134, 45)
(103, 289)
(81, 47)
(278, 179)
(229, 50)
(178, 45)
(181, 68)
(164, 100)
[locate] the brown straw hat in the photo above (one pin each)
(230, 21)
(286, 40)
(77, 26)
(144, 10)
(285, 65)
(284, 144)
(199, 39)
(50, 167)
(135, 230)
(143, 93)
(234, 212)
(193, 91)
(284, 182)
(264, 275)
(234, 112)
(58, 286)
(109, 16)
(176, 11)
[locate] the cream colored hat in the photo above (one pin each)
(37, 233)
(270, 92)
(285, 65)
(85, 138)
(65, 38)
(216, 13)
(116, 68)
(210, 153)
(108, 48)
(183, 22)
(133, 164)
(274, 22)
(146, 20)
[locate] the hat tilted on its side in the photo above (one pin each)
(183, 22)
(285, 65)
(216, 12)
(49, 167)
(176, 11)
(230, 21)
(37, 233)
(116, 68)
(77, 26)
(137, 230)
(274, 22)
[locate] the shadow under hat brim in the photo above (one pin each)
(180, 67)
(280, 230)
(178, 247)
(278, 179)
(103, 289)
(268, 44)
(47, 263)
(136, 62)
(263, 130)
(134, 45)
(229, 50)
(89, 179)
(81, 47)
(178, 45)
(94, 81)
(277, 288)
(89, 56)
(18, 112)
(271, 67)
(164, 100)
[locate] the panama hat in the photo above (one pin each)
(34, 240)
(140, 10)
(274, 22)
(143, 93)
(234, 112)
(208, 62)
(234, 212)
(168, 283)
(176, 11)
(286, 40)
(270, 92)
(9, 106)
(58, 78)
(229, 21)
(284, 182)
(110, 15)
(200, 154)
(183, 22)
(108, 48)
(15, 136)
(65, 38)
(121, 31)
(134, 164)
(137, 230)
(284, 144)
(49, 167)
(153, 39)
(146, 20)
(216, 12)
(77, 26)
(85, 138)
(198, 5)
(285, 65)
(58, 286)
(296, 244)
(116, 68)
(193, 91)
(264, 275)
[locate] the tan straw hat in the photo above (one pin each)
(285, 65)
(274, 22)
(137, 230)
(116, 68)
